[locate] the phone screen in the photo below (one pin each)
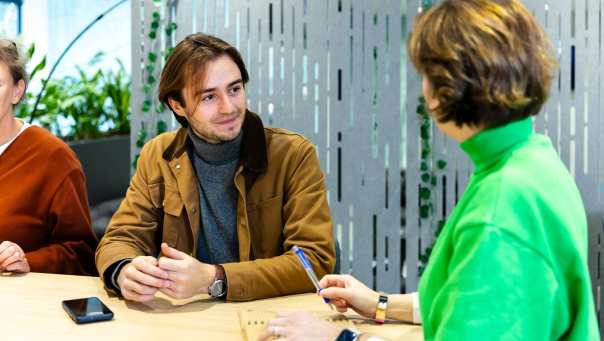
(89, 309)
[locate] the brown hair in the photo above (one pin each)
(488, 61)
(10, 56)
(187, 63)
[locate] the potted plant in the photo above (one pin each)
(91, 112)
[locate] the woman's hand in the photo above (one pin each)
(293, 326)
(12, 258)
(345, 292)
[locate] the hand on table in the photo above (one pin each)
(299, 326)
(12, 258)
(345, 292)
(140, 279)
(187, 276)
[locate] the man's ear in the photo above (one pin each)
(177, 107)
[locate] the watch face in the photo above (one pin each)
(217, 288)
(347, 335)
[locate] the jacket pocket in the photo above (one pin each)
(156, 194)
(173, 220)
(265, 220)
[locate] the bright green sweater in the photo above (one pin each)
(511, 262)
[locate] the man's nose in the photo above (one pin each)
(225, 106)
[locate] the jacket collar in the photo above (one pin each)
(253, 146)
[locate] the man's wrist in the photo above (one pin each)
(114, 272)
(218, 285)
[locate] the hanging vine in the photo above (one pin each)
(430, 171)
(151, 68)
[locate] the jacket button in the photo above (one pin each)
(194, 210)
(177, 166)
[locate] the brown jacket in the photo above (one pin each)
(282, 202)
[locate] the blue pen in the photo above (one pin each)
(309, 271)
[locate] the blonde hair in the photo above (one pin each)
(10, 56)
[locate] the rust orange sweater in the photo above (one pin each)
(44, 205)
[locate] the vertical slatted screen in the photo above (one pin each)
(337, 72)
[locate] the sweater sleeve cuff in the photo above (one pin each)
(113, 271)
(417, 315)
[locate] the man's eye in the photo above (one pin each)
(208, 98)
(235, 90)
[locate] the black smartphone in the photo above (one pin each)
(86, 310)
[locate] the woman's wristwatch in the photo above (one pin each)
(348, 335)
(380, 311)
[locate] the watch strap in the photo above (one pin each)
(380, 311)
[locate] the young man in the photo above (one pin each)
(223, 199)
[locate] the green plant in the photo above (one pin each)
(429, 170)
(150, 72)
(82, 106)
(117, 87)
(429, 173)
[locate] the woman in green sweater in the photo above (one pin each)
(511, 262)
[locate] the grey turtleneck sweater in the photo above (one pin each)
(215, 166)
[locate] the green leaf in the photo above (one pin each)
(424, 193)
(152, 57)
(441, 164)
(162, 127)
(41, 65)
(155, 14)
(424, 133)
(141, 137)
(159, 108)
(425, 177)
(146, 88)
(424, 211)
(152, 35)
(154, 25)
(423, 167)
(135, 161)
(151, 79)
(426, 146)
(146, 106)
(433, 181)
(30, 51)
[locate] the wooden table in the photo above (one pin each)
(30, 309)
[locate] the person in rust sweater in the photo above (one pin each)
(44, 219)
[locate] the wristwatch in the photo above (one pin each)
(218, 288)
(347, 335)
(380, 311)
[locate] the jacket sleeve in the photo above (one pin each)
(132, 230)
(307, 224)
(71, 244)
